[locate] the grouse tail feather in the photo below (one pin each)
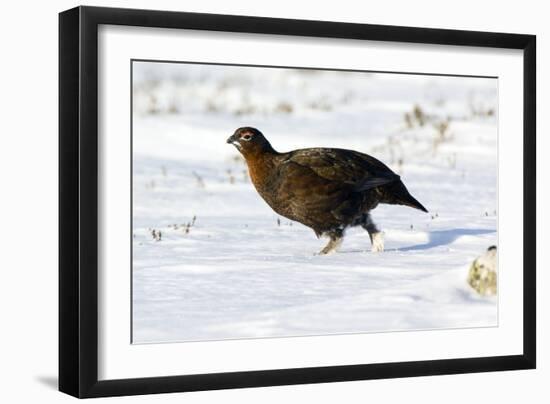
(397, 194)
(410, 201)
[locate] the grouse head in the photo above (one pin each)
(250, 142)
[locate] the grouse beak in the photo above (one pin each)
(233, 140)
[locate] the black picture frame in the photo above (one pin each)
(78, 201)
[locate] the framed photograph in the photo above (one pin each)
(249, 201)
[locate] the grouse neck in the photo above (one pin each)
(261, 167)
(266, 152)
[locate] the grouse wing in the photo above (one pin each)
(359, 170)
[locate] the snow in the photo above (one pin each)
(226, 266)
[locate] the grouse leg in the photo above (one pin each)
(376, 236)
(336, 238)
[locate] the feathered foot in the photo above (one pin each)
(376, 236)
(336, 238)
(377, 240)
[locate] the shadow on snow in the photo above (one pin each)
(440, 238)
(436, 238)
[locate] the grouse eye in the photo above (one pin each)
(246, 137)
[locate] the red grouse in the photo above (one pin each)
(325, 189)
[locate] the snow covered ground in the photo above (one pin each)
(226, 266)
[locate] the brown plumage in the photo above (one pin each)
(325, 189)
